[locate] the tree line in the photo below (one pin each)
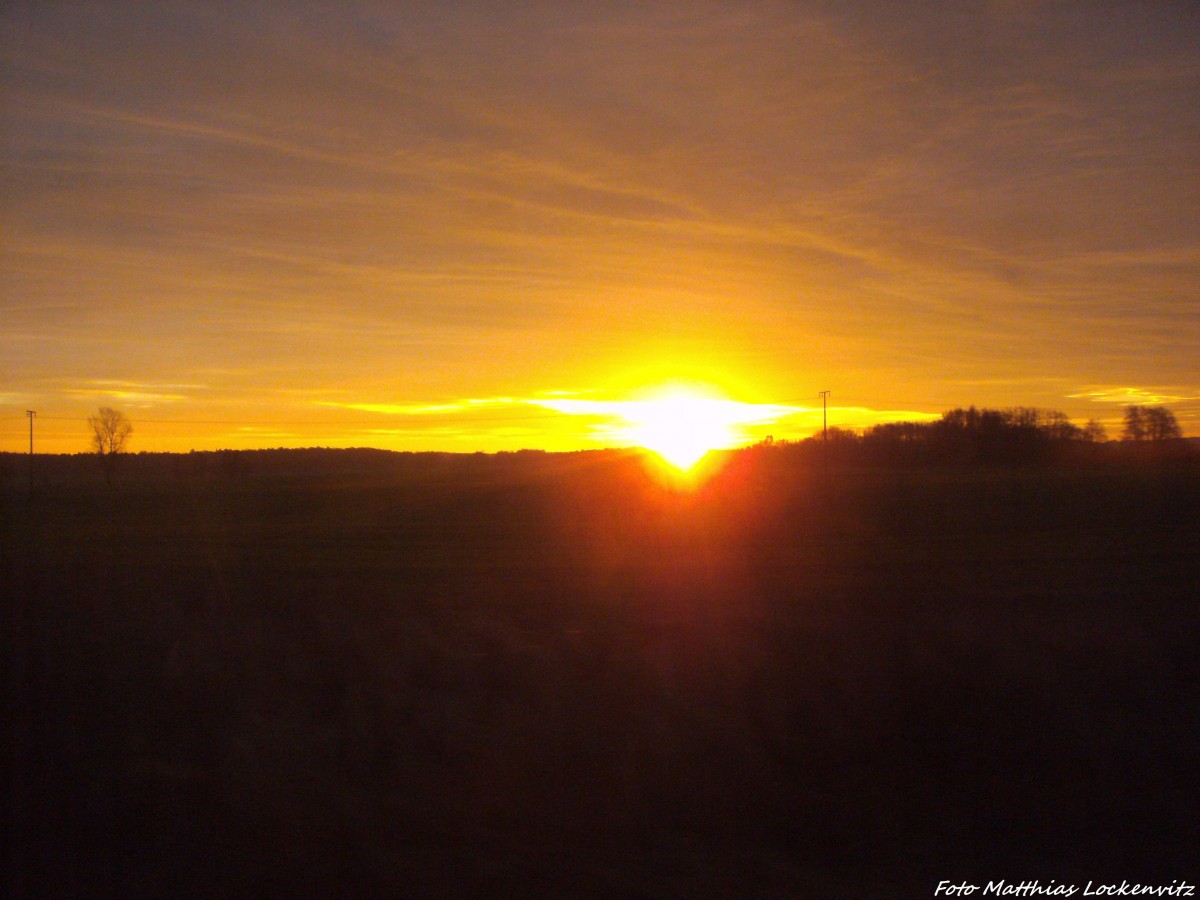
(1015, 435)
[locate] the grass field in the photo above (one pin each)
(532, 674)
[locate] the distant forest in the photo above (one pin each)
(1016, 436)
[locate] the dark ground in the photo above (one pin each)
(536, 674)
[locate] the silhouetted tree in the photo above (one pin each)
(1058, 427)
(1026, 416)
(1161, 424)
(110, 432)
(1149, 423)
(1094, 432)
(1135, 424)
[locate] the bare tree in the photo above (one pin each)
(1150, 423)
(1161, 424)
(1056, 426)
(1094, 432)
(110, 432)
(1135, 424)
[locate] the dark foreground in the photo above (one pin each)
(552, 675)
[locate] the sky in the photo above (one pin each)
(484, 226)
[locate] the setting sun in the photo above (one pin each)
(683, 427)
(681, 423)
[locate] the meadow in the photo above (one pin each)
(343, 673)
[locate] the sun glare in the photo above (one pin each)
(679, 422)
(682, 427)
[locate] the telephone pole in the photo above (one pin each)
(825, 433)
(32, 415)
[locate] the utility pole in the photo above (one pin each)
(825, 432)
(32, 415)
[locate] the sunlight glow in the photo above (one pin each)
(681, 423)
(682, 428)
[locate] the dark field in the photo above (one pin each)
(534, 674)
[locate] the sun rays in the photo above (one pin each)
(681, 423)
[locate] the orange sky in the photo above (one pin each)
(423, 225)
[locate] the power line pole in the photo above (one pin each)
(825, 433)
(32, 415)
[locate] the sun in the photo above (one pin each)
(681, 422)
(681, 426)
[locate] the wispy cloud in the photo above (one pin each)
(622, 419)
(1132, 395)
(397, 409)
(136, 393)
(426, 409)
